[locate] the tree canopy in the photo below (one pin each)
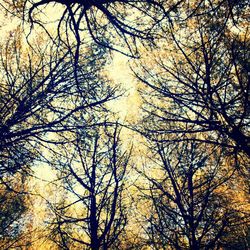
(75, 174)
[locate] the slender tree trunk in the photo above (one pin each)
(93, 224)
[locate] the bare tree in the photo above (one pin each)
(93, 215)
(41, 104)
(188, 209)
(39, 97)
(202, 79)
(196, 92)
(119, 20)
(119, 25)
(111, 23)
(51, 95)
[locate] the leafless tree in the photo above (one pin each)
(39, 97)
(202, 80)
(94, 214)
(41, 104)
(113, 24)
(188, 209)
